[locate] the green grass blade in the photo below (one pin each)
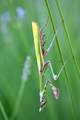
(3, 111)
(62, 61)
(68, 36)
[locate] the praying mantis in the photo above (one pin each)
(41, 53)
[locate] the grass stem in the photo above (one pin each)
(62, 61)
(18, 101)
(68, 36)
(3, 111)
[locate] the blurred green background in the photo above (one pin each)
(16, 42)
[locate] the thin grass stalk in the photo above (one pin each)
(68, 36)
(3, 111)
(62, 60)
(18, 101)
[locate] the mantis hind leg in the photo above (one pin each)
(56, 76)
(48, 64)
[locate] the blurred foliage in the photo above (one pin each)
(16, 42)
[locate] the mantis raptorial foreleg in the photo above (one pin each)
(43, 100)
(55, 92)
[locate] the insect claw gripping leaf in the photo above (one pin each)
(42, 65)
